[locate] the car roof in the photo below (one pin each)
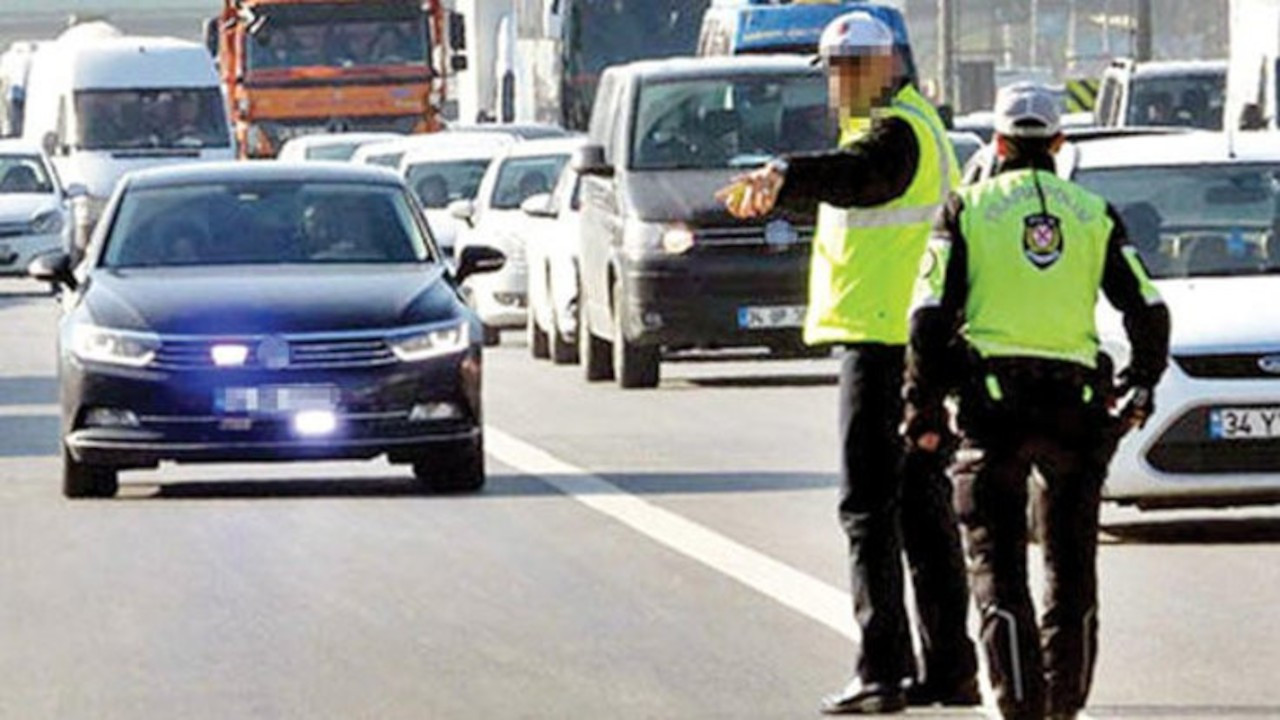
(1159, 68)
(231, 171)
(446, 139)
(548, 146)
(521, 131)
(457, 150)
(19, 145)
(1192, 148)
(716, 66)
(321, 139)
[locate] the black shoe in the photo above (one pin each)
(858, 698)
(965, 694)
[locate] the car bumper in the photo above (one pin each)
(1174, 462)
(17, 252)
(177, 415)
(696, 300)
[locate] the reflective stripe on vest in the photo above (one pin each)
(865, 260)
(1033, 284)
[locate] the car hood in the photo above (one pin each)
(687, 196)
(279, 300)
(24, 207)
(1215, 315)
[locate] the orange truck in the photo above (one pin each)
(300, 67)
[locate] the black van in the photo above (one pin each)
(663, 266)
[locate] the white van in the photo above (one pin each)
(1252, 77)
(102, 104)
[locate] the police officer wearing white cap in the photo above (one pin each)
(878, 194)
(1004, 319)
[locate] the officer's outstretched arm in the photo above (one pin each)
(1129, 289)
(875, 169)
(935, 352)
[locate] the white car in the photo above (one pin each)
(444, 169)
(551, 252)
(391, 153)
(35, 212)
(495, 219)
(335, 147)
(1203, 209)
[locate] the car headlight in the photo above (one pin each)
(432, 342)
(47, 223)
(115, 347)
(640, 238)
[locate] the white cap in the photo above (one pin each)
(855, 34)
(1027, 110)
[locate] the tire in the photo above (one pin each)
(492, 336)
(593, 352)
(635, 366)
(538, 344)
(80, 480)
(458, 469)
(562, 351)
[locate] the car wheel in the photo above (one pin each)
(492, 336)
(457, 469)
(563, 352)
(635, 366)
(537, 338)
(80, 480)
(593, 352)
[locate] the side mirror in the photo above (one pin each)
(590, 160)
(211, 28)
(53, 268)
(1251, 117)
(49, 143)
(457, 31)
(477, 260)
(457, 63)
(76, 190)
(464, 210)
(538, 206)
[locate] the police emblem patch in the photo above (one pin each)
(1042, 240)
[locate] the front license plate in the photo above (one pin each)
(771, 316)
(275, 399)
(1244, 423)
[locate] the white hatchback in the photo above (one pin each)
(495, 219)
(551, 251)
(1203, 209)
(35, 213)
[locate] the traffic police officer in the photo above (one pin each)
(1005, 315)
(878, 195)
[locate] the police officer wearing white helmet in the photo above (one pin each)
(1012, 278)
(878, 194)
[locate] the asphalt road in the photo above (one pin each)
(661, 554)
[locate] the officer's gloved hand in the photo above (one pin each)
(1138, 399)
(925, 427)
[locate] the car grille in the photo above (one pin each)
(316, 353)
(1229, 366)
(747, 235)
(1185, 448)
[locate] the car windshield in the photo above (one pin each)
(521, 178)
(338, 35)
(1191, 221)
(1191, 100)
(265, 223)
(142, 119)
(439, 183)
(23, 174)
(710, 123)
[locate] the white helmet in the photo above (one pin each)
(855, 34)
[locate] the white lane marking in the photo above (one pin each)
(774, 579)
(30, 410)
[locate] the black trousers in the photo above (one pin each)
(893, 501)
(1052, 426)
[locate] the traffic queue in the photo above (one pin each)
(765, 204)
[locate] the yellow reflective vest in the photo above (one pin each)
(865, 260)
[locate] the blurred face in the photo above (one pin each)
(857, 84)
